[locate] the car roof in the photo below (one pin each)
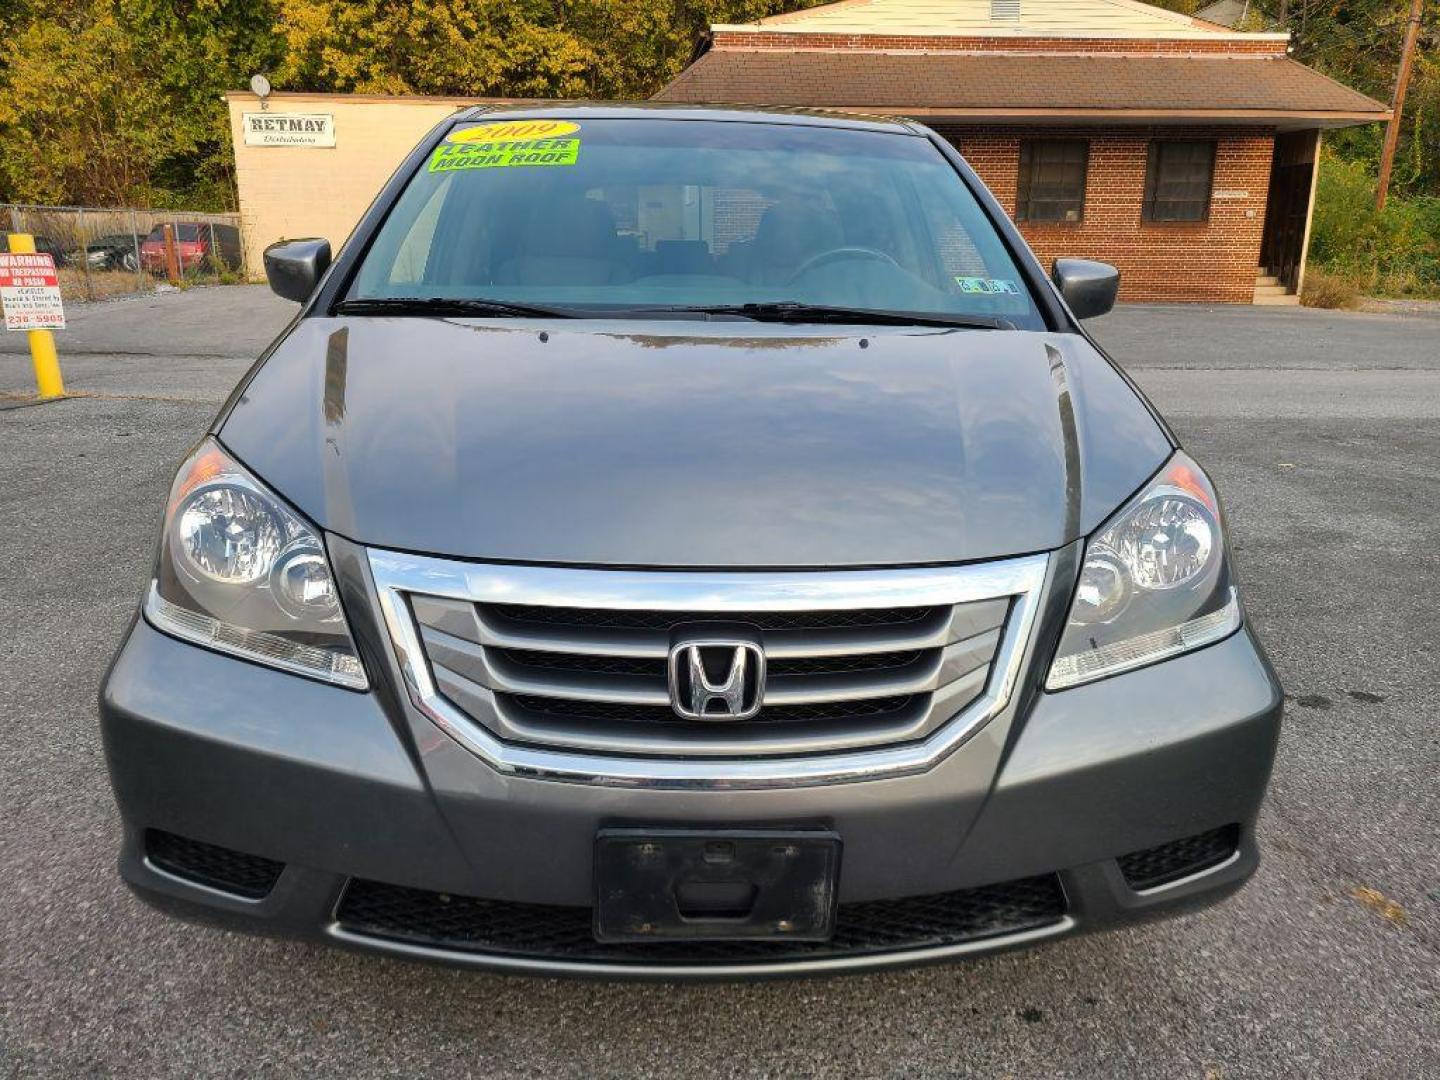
(654, 110)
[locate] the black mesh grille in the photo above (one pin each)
(604, 665)
(616, 711)
(835, 665)
(564, 933)
(1179, 858)
(611, 619)
(209, 864)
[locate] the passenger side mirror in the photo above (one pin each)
(293, 267)
(1088, 287)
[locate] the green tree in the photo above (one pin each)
(1358, 43)
(77, 113)
(194, 51)
(516, 48)
(643, 44)
(1392, 251)
(120, 101)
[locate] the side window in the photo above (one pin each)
(409, 265)
(955, 246)
(1178, 176)
(1052, 180)
(972, 258)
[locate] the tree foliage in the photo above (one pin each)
(1358, 42)
(509, 48)
(1394, 252)
(106, 102)
(77, 118)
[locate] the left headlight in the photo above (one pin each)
(1155, 582)
(242, 573)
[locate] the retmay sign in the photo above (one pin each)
(288, 129)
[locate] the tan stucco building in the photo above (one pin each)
(301, 189)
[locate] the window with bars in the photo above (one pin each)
(1052, 180)
(1178, 177)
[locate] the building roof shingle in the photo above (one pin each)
(999, 85)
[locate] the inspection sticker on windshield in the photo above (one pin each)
(988, 286)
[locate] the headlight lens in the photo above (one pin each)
(1155, 582)
(228, 535)
(242, 573)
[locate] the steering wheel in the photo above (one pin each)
(840, 254)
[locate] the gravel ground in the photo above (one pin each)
(1321, 429)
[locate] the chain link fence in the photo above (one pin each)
(102, 252)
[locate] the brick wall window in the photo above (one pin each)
(1051, 185)
(1178, 177)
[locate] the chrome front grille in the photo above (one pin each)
(622, 619)
(564, 672)
(596, 680)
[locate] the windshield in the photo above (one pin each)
(617, 215)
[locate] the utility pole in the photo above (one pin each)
(1397, 104)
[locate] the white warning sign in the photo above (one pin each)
(30, 293)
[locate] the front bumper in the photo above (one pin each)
(339, 786)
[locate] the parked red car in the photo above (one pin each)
(193, 245)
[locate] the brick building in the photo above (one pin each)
(1179, 150)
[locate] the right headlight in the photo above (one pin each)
(1155, 581)
(242, 573)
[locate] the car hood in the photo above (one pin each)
(693, 443)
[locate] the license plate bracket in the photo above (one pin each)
(727, 885)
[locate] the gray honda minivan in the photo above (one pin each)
(677, 542)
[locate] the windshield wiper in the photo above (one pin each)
(780, 311)
(447, 305)
(793, 311)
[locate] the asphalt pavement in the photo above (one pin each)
(1323, 433)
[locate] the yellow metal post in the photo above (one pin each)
(42, 342)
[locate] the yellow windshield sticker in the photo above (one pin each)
(451, 156)
(513, 131)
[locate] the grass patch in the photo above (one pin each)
(1324, 289)
(77, 285)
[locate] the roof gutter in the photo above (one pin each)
(1126, 117)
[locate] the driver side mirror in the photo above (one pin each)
(1088, 287)
(293, 267)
